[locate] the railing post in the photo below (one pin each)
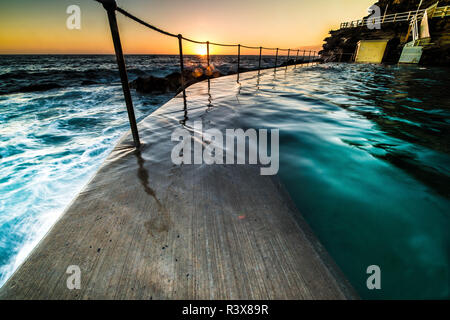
(276, 59)
(303, 58)
(296, 58)
(259, 63)
(385, 11)
(180, 45)
(418, 8)
(309, 57)
(110, 7)
(207, 52)
(239, 61)
(287, 59)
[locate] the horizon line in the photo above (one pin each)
(139, 54)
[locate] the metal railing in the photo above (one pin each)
(111, 8)
(440, 12)
(390, 18)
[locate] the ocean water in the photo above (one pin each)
(60, 116)
(364, 154)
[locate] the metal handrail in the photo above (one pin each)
(395, 17)
(111, 8)
(439, 12)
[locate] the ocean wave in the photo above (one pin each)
(26, 81)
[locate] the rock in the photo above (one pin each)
(172, 82)
(150, 84)
(40, 87)
(88, 82)
(290, 62)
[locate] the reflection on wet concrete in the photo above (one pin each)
(185, 112)
(210, 105)
(159, 222)
(142, 173)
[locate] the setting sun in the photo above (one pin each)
(201, 50)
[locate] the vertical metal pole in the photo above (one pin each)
(185, 118)
(180, 45)
(207, 52)
(259, 63)
(110, 7)
(276, 58)
(309, 57)
(418, 8)
(209, 69)
(287, 59)
(296, 58)
(385, 11)
(303, 58)
(239, 61)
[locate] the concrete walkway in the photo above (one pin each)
(144, 228)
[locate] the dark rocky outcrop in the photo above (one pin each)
(172, 82)
(35, 87)
(341, 44)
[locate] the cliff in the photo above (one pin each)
(341, 44)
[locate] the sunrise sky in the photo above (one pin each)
(39, 26)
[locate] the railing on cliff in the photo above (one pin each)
(111, 8)
(440, 12)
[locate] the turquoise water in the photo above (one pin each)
(364, 153)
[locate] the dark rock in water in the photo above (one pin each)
(290, 62)
(341, 45)
(172, 82)
(150, 84)
(88, 82)
(39, 87)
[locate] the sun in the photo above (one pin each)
(201, 50)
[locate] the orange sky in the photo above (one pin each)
(28, 26)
